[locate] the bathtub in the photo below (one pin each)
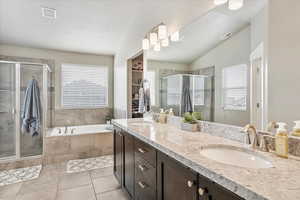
(79, 130)
(78, 142)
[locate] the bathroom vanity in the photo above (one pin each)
(147, 173)
(162, 162)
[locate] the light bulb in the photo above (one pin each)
(162, 31)
(153, 38)
(146, 44)
(157, 47)
(220, 2)
(175, 36)
(235, 4)
(165, 42)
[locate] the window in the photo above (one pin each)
(84, 86)
(198, 85)
(173, 90)
(235, 87)
(150, 76)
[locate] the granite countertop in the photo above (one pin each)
(281, 182)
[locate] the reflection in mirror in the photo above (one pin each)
(211, 69)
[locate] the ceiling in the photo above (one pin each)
(92, 26)
(207, 32)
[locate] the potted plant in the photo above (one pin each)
(197, 115)
(189, 123)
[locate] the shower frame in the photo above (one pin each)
(17, 110)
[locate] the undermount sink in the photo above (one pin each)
(236, 156)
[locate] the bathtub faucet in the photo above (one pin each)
(66, 129)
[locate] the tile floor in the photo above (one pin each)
(55, 183)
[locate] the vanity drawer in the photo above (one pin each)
(146, 152)
(145, 171)
(144, 191)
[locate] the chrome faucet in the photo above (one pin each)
(254, 142)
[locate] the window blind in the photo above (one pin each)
(84, 86)
(199, 90)
(235, 87)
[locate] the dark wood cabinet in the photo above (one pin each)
(147, 174)
(129, 164)
(175, 181)
(118, 155)
(208, 190)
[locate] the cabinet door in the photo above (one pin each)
(118, 155)
(209, 190)
(129, 164)
(174, 181)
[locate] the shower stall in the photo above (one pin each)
(14, 78)
(175, 89)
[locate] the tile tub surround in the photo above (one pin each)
(278, 183)
(76, 117)
(62, 148)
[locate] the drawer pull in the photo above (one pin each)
(190, 183)
(142, 168)
(141, 150)
(201, 191)
(142, 185)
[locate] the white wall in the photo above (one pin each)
(60, 57)
(258, 28)
(233, 51)
(284, 60)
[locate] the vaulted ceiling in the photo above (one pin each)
(92, 26)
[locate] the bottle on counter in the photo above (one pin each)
(281, 140)
(296, 129)
(162, 117)
(171, 113)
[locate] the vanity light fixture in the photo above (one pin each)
(153, 38)
(220, 2)
(162, 31)
(175, 36)
(157, 47)
(235, 4)
(146, 44)
(232, 4)
(159, 37)
(165, 42)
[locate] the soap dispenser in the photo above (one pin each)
(162, 117)
(281, 140)
(171, 113)
(296, 129)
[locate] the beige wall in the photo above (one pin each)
(258, 28)
(60, 57)
(283, 60)
(233, 51)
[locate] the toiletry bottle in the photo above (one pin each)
(162, 116)
(171, 113)
(281, 140)
(296, 129)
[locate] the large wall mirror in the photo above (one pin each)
(216, 68)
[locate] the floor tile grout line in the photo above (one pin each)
(93, 185)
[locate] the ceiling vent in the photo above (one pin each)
(49, 13)
(226, 36)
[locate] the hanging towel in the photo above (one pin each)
(141, 101)
(186, 96)
(31, 112)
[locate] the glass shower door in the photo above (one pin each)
(7, 110)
